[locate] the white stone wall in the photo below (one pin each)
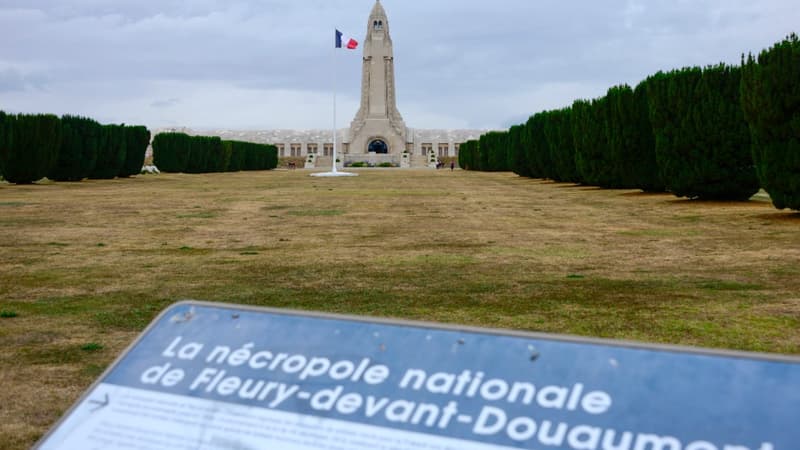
(416, 137)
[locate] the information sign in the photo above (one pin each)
(210, 376)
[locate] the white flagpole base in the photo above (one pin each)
(334, 174)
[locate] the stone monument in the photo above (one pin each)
(378, 126)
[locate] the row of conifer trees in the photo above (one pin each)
(69, 148)
(719, 132)
(179, 152)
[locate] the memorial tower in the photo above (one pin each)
(378, 126)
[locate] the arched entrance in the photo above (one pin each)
(378, 146)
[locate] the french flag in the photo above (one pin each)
(349, 43)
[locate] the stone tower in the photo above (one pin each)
(378, 126)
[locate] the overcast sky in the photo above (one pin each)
(264, 64)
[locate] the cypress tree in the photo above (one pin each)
(171, 151)
(471, 155)
(702, 140)
(111, 152)
(251, 161)
(482, 159)
(467, 155)
(486, 144)
(592, 155)
(272, 157)
(517, 158)
(771, 102)
(198, 155)
(77, 155)
(728, 164)
(494, 145)
(621, 137)
(558, 132)
(475, 155)
(479, 158)
(631, 147)
(237, 156)
(536, 148)
(137, 138)
(219, 156)
(648, 178)
(31, 148)
(5, 137)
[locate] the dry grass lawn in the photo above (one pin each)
(85, 266)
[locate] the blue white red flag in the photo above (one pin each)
(346, 42)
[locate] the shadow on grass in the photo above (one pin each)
(644, 194)
(693, 202)
(789, 217)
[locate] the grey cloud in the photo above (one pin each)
(166, 103)
(453, 58)
(11, 80)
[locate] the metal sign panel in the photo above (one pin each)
(213, 376)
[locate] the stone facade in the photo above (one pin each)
(301, 143)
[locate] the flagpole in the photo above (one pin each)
(333, 170)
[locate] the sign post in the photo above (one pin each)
(218, 376)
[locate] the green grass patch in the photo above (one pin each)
(12, 204)
(92, 347)
(7, 314)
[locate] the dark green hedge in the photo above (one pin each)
(77, 155)
(256, 156)
(29, 146)
(771, 103)
(111, 153)
(171, 151)
(179, 152)
(137, 138)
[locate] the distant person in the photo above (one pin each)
(452, 165)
